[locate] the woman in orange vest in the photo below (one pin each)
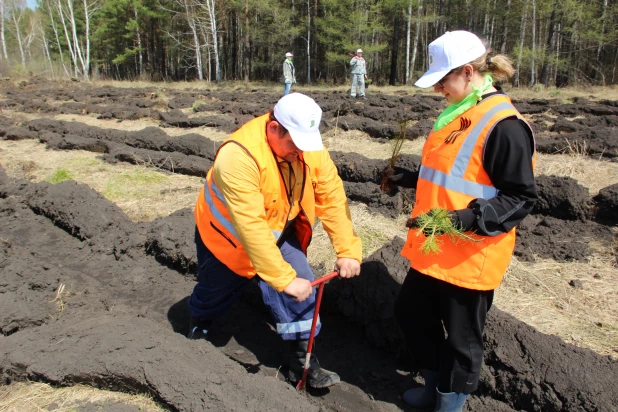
(478, 164)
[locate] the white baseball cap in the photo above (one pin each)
(359, 51)
(450, 51)
(301, 115)
(288, 54)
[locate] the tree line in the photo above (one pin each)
(551, 42)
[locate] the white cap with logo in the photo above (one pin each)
(288, 54)
(301, 115)
(450, 51)
(359, 51)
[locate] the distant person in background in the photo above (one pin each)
(289, 77)
(359, 73)
(477, 163)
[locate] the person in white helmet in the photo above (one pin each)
(359, 74)
(289, 77)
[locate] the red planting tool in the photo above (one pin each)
(318, 300)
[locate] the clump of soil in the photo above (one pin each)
(392, 204)
(607, 205)
(561, 240)
(110, 328)
(562, 197)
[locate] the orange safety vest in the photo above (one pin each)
(211, 214)
(451, 176)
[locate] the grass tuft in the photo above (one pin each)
(385, 185)
(62, 296)
(133, 182)
(60, 175)
(196, 105)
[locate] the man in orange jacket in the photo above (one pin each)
(269, 182)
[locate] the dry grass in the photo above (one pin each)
(375, 231)
(564, 94)
(539, 294)
(588, 92)
(126, 125)
(34, 397)
(91, 120)
(360, 142)
(589, 172)
(62, 296)
(142, 192)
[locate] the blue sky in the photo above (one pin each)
(31, 3)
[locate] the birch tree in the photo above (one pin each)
(90, 8)
(408, 29)
(188, 13)
(417, 33)
(521, 45)
(17, 11)
(50, 14)
(209, 20)
(308, 41)
(2, 37)
(533, 24)
(61, 16)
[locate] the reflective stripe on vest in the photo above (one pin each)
(222, 220)
(454, 180)
(465, 151)
(457, 184)
(215, 212)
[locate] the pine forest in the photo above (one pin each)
(551, 42)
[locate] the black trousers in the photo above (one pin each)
(443, 326)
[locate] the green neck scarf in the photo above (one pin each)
(453, 111)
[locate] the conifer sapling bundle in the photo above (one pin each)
(385, 184)
(435, 223)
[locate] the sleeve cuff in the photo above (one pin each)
(465, 218)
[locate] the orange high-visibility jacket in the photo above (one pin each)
(451, 176)
(236, 234)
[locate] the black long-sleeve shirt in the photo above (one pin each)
(507, 159)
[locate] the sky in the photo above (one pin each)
(31, 3)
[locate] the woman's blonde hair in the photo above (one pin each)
(499, 66)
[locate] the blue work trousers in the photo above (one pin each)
(358, 80)
(286, 89)
(218, 287)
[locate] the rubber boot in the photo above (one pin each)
(198, 329)
(450, 401)
(317, 376)
(426, 396)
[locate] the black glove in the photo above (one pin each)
(403, 177)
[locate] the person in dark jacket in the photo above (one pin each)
(477, 163)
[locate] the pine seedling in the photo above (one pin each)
(385, 185)
(435, 223)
